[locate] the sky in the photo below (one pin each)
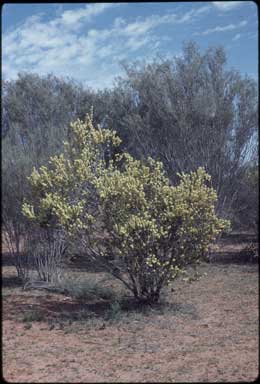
(87, 41)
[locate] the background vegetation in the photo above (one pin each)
(187, 113)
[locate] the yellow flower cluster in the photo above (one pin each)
(62, 190)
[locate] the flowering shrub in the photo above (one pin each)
(125, 212)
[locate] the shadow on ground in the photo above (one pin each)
(11, 282)
(236, 248)
(237, 237)
(233, 258)
(48, 308)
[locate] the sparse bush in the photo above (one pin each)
(86, 289)
(46, 250)
(114, 313)
(126, 214)
(251, 252)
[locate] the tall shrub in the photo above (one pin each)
(129, 218)
(187, 112)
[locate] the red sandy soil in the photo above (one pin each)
(208, 332)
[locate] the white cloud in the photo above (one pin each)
(67, 46)
(119, 22)
(86, 13)
(226, 5)
(236, 37)
(229, 27)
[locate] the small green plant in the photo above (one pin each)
(32, 316)
(114, 313)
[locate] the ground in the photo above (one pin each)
(206, 331)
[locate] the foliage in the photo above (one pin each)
(187, 112)
(155, 228)
(246, 205)
(16, 166)
(143, 230)
(35, 114)
(190, 111)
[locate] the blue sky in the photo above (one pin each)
(87, 41)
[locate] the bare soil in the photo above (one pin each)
(206, 331)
